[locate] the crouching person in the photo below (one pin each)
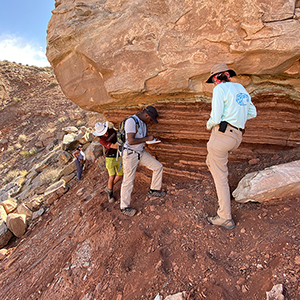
(108, 138)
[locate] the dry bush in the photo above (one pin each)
(23, 173)
(22, 138)
(33, 151)
(53, 84)
(25, 153)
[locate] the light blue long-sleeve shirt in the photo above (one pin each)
(232, 103)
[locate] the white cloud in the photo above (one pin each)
(16, 49)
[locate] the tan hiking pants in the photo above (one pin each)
(130, 163)
(218, 147)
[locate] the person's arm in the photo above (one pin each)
(106, 144)
(252, 111)
(132, 140)
(75, 154)
(217, 107)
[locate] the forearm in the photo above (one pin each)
(136, 141)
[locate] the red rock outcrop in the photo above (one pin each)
(111, 53)
(184, 136)
(116, 56)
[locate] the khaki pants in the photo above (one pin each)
(218, 147)
(130, 163)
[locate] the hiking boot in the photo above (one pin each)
(155, 193)
(228, 224)
(111, 198)
(110, 195)
(128, 211)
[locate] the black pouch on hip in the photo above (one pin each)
(223, 126)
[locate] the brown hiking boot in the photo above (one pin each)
(228, 224)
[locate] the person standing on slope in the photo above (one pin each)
(231, 108)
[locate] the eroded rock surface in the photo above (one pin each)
(274, 182)
(111, 53)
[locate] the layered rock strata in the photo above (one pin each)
(182, 129)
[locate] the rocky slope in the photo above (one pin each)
(83, 248)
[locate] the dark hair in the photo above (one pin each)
(223, 77)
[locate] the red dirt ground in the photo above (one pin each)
(83, 248)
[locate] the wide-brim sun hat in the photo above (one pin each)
(219, 68)
(100, 128)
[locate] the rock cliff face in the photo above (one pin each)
(115, 56)
(111, 53)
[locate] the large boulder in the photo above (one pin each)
(119, 53)
(274, 182)
(17, 224)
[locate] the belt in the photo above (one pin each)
(240, 129)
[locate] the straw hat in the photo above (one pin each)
(219, 68)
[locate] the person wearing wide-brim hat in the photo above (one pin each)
(108, 139)
(230, 109)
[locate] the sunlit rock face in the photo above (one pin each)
(121, 53)
(116, 56)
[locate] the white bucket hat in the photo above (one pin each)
(100, 129)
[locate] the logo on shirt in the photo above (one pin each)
(242, 99)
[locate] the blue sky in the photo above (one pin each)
(23, 25)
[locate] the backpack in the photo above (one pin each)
(121, 137)
(121, 134)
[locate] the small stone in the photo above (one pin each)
(297, 260)
(243, 230)
(241, 281)
(3, 253)
(253, 161)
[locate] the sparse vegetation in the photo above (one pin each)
(33, 151)
(53, 84)
(22, 138)
(23, 173)
(25, 153)
(16, 99)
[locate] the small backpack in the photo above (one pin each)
(121, 134)
(121, 137)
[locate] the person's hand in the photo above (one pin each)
(114, 146)
(150, 138)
